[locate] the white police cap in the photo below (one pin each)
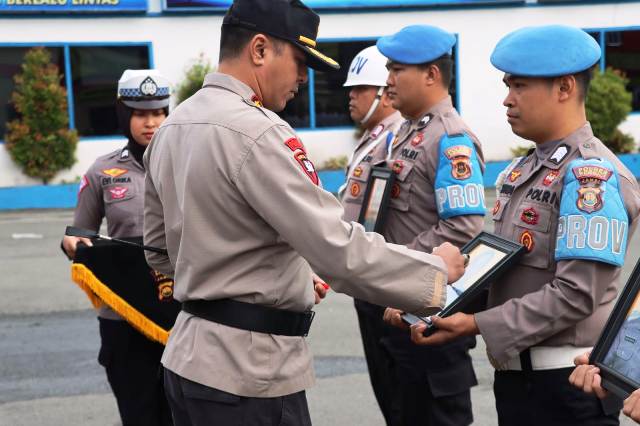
(144, 89)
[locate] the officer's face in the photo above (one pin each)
(144, 123)
(531, 109)
(360, 100)
(282, 76)
(406, 85)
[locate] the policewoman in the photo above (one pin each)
(574, 206)
(113, 189)
(438, 196)
(233, 196)
(370, 107)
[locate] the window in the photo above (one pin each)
(94, 72)
(296, 113)
(622, 52)
(11, 60)
(332, 100)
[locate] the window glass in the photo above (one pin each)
(95, 71)
(623, 53)
(11, 59)
(296, 113)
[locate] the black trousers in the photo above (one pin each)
(415, 385)
(132, 363)
(547, 398)
(194, 404)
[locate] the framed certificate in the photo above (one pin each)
(617, 352)
(376, 199)
(489, 257)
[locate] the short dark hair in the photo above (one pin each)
(233, 39)
(583, 80)
(445, 65)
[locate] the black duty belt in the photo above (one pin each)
(251, 317)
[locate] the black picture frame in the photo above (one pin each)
(375, 204)
(490, 256)
(617, 365)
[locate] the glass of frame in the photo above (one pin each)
(376, 199)
(617, 352)
(489, 257)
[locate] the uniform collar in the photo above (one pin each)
(440, 108)
(385, 124)
(561, 150)
(232, 84)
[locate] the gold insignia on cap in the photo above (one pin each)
(307, 41)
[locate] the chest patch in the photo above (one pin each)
(114, 172)
(409, 153)
(118, 193)
(417, 139)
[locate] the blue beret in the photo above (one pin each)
(416, 44)
(547, 51)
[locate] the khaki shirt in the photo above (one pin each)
(112, 188)
(358, 171)
(233, 198)
(413, 218)
(542, 301)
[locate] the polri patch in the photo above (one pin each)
(460, 157)
(307, 166)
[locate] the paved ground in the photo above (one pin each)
(49, 342)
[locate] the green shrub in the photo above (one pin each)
(608, 104)
(40, 141)
(521, 151)
(194, 77)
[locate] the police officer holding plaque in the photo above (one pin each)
(574, 206)
(233, 197)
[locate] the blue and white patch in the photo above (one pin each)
(458, 184)
(593, 223)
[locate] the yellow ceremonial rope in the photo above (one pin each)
(99, 293)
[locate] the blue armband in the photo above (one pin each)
(593, 222)
(458, 183)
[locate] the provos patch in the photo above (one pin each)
(590, 193)
(460, 157)
(300, 154)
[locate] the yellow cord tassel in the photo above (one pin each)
(100, 294)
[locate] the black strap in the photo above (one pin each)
(525, 361)
(251, 317)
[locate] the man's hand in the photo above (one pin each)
(70, 244)
(587, 377)
(392, 316)
(447, 329)
(320, 287)
(631, 406)
(453, 259)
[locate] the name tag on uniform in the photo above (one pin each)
(376, 199)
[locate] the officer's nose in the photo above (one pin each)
(508, 101)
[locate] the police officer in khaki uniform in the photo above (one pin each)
(574, 206)
(233, 197)
(113, 189)
(370, 106)
(438, 197)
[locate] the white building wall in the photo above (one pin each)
(178, 39)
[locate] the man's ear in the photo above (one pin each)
(432, 75)
(257, 47)
(567, 87)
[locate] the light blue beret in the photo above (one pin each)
(546, 51)
(416, 44)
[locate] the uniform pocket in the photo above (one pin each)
(117, 193)
(356, 184)
(401, 190)
(532, 224)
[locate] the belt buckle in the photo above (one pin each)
(308, 319)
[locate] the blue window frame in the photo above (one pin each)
(90, 70)
(621, 50)
(323, 103)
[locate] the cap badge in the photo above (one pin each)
(148, 87)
